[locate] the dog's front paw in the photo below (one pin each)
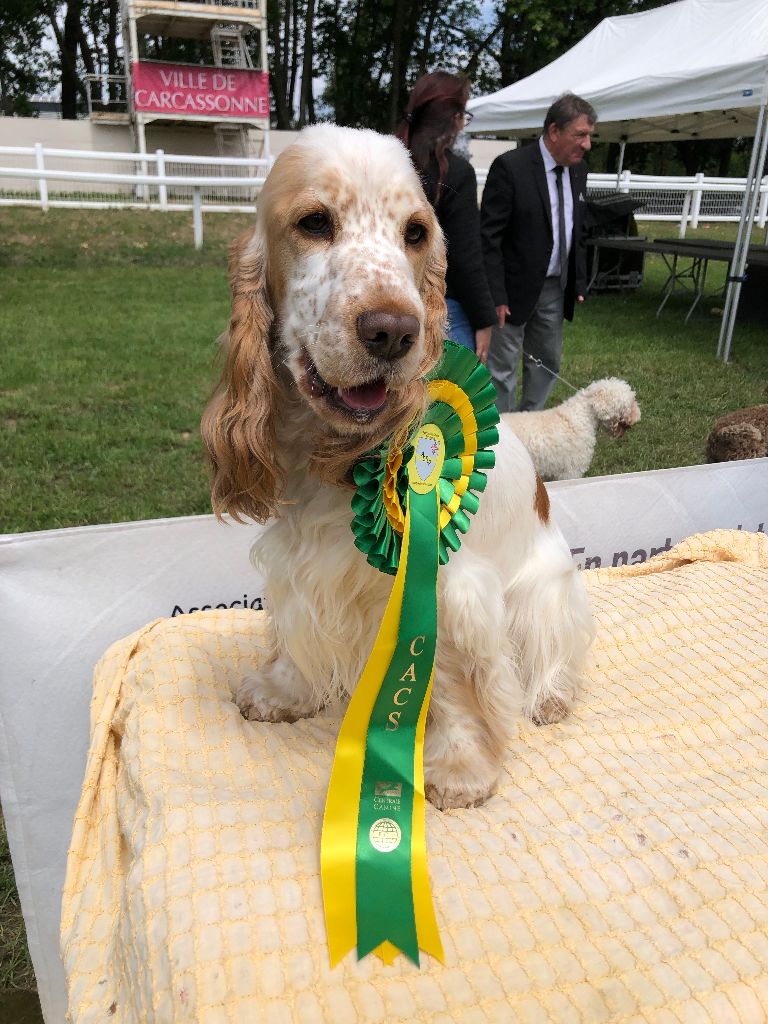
(553, 708)
(461, 761)
(454, 795)
(259, 709)
(279, 693)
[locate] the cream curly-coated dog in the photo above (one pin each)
(561, 440)
(337, 315)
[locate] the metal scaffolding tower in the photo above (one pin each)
(237, 32)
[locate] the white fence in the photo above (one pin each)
(684, 200)
(39, 176)
(45, 177)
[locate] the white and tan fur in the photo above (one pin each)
(514, 626)
(561, 440)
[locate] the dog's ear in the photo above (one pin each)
(238, 425)
(433, 298)
(629, 418)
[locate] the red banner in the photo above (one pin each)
(188, 90)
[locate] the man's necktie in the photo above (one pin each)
(561, 227)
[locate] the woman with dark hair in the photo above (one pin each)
(434, 116)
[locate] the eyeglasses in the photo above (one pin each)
(468, 116)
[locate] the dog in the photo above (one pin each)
(338, 312)
(561, 440)
(741, 434)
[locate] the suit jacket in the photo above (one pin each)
(517, 232)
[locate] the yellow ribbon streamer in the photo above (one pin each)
(339, 835)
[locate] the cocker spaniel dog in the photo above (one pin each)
(337, 315)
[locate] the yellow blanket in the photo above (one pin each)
(620, 873)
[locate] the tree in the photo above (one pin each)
(370, 52)
(286, 26)
(86, 33)
(25, 68)
(69, 39)
(307, 100)
(532, 33)
(351, 60)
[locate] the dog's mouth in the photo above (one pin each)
(361, 403)
(620, 428)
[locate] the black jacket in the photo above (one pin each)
(517, 232)
(459, 218)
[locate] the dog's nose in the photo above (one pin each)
(387, 335)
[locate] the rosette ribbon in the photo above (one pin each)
(410, 508)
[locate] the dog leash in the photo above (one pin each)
(540, 365)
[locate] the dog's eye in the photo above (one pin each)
(415, 233)
(316, 224)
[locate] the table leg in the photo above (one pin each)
(595, 266)
(700, 264)
(669, 284)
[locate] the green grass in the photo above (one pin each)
(681, 387)
(107, 329)
(110, 319)
(15, 968)
(106, 387)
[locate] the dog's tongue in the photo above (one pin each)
(367, 396)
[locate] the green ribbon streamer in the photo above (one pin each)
(384, 906)
(384, 888)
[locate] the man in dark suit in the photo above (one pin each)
(533, 208)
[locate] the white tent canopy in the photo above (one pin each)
(695, 69)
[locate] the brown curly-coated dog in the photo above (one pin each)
(741, 434)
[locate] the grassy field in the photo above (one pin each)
(107, 329)
(108, 324)
(110, 321)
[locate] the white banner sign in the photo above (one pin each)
(628, 518)
(66, 595)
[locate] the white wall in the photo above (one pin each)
(58, 134)
(484, 151)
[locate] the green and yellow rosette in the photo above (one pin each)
(411, 507)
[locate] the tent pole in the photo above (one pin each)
(620, 168)
(732, 271)
(741, 247)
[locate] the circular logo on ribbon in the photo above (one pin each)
(428, 456)
(385, 835)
